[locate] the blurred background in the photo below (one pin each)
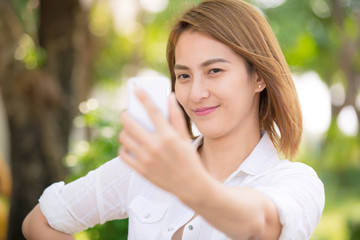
(63, 70)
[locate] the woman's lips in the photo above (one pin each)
(204, 110)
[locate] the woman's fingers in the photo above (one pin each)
(130, 159)
(154, 112)
(177, 119)
(130, 144)
(134, 129)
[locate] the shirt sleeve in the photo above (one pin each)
(298, 194)
(98, 197)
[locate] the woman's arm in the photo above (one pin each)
(240, 213)
(70, 208)
(35, 226)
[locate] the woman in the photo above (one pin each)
(231, 80)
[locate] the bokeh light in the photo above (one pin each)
(347, 121)
(154, 6)
(315, 101)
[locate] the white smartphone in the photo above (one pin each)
(157, 88)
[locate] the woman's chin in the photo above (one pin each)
(210, 132)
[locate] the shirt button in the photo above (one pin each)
(147, 215)
(191, 227)
(170, 229)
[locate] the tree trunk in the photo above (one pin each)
(41, 103)
(347, 56)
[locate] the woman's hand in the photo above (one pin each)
(166, 156)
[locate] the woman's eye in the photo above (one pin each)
(215, 70)
(183, 76)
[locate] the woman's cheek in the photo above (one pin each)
(180, 95)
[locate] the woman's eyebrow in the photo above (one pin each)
(180, 67)
(212, 61)
(204, 64)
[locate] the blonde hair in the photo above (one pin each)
(245, 30)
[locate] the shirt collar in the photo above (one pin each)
(263, 156)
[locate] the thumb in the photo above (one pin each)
(177, 118)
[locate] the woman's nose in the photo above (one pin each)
(199, 91)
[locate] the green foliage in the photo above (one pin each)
(113, 230)
(311, 40)
(304, 51)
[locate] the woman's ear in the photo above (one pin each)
(259, 82)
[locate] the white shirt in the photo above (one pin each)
(115, 191)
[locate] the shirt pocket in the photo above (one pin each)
(147, 218)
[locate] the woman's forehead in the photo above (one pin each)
(194, 46)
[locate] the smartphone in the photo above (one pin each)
(158, 89)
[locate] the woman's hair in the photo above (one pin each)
(245, 30)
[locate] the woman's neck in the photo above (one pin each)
(222, 156)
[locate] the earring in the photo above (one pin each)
(259, 85)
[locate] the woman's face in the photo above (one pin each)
(214, 87)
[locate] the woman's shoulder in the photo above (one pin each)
(287, 173)
(289, 167)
